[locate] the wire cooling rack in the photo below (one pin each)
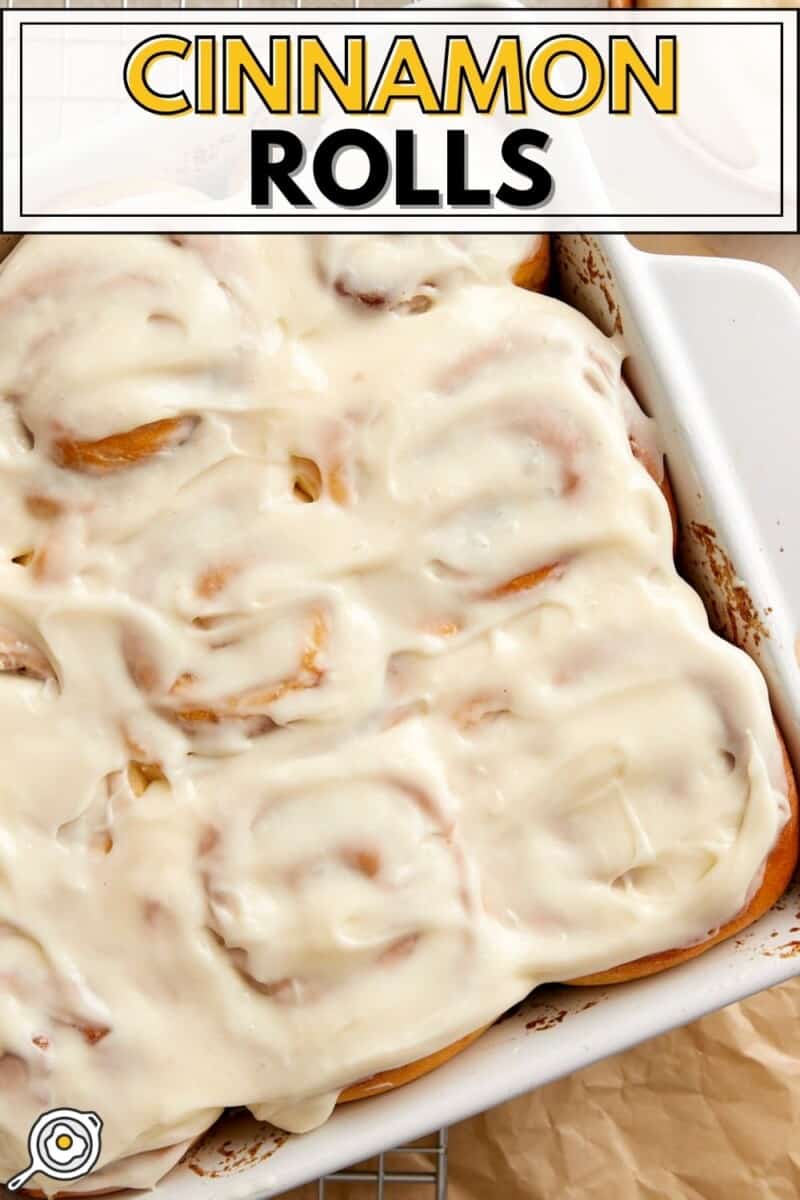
(382, 1176)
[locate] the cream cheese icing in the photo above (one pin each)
(384, 609)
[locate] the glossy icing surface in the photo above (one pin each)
(341, 543)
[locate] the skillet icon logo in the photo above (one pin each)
(62, 1144)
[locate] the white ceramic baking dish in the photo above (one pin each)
(714, 352)
(715, 356)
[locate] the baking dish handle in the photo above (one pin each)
(739, 322)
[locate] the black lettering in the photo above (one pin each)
(266, 171)
(542, 185)
(407, 194)
(378, 174)
(458, 193)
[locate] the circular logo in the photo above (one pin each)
(62, 1144)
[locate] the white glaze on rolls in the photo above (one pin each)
(395, 612)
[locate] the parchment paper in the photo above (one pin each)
(709, 1112)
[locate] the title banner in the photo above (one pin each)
(421, 120)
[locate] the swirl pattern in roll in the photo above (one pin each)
(348, 688)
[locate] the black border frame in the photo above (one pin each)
(625, 14)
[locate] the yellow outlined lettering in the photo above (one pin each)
(137, 66)
(660, 87)
(404, 76)
(591, 86)
(205, 75)
(349, 87)
(503, 70)
(240, 63)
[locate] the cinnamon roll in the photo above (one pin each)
(349, 690)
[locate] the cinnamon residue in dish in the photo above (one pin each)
(547, 1020)
(216, 1154)
(731, 611)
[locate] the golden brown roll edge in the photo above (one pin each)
(778, 871)
(533, 273)
(384, 1081)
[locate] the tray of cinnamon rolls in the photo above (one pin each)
(383, 640)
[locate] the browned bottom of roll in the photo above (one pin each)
(384, 1081)
(778, 871)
